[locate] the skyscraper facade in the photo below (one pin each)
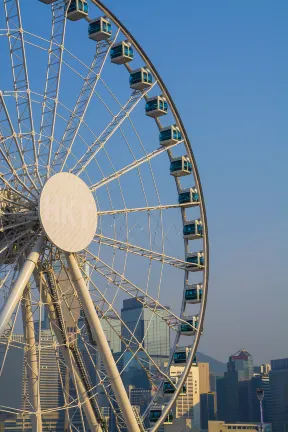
(14, 381)
(241, 362)
(208, 409)
(151, 330)
(187, 405)
(233, 390)
(279, 394)
(260, 381)
(52, 383)
(262, 369)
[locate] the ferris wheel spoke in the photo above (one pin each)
(65, 388)
(83, 101)
(107, 133)
(145, 209)
(18, 179)
(71, 356)
(21, 82)
(133, 290)
(8, 227)
(4, 280)
(131, 338)
(14, 191)
(10, 147)
(14, 238)
(52, 85)
(99, 336)
(151, 255)
(133, 165)
(138, 346)
(15, 203)
(76, 353)
(8, 273)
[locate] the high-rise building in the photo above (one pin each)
(52, 384)
(207, 409)
(140, 397)
(244, 401)
(260, 381)
(148, 327)
(241, 362)
(14, 381)
(228, 397)
(187, 405)
(262, 369)
(279, 394)
(221, 397)
(233, 397)
(151, 330)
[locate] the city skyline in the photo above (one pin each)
(240, 368)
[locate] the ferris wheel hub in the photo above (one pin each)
(67, 212)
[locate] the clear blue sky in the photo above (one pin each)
(226, 65)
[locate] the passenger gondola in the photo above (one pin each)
(99, 29)
(121, 53)
(180, 166)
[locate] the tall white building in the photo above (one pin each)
(187, 406)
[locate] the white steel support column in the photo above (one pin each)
(71, 364)
(32, 362)
(20, 284)
(102, 344)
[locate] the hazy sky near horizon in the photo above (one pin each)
(226, 66)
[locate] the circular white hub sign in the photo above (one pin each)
(67, 212)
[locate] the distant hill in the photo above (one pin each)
(217, 367)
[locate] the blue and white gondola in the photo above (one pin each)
(195, 261)
(156, 412)
(141, 79)
(193, 293)
(156, 106)
(188, 197)
(189, 328)
(170, 135)
(180, 166)
(193, 229)
(77, 10)
(169, 386)
(121, 53)
(99, 29)
(181, 355)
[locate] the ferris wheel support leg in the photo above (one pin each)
(32, 362)
(102, 344)
(70, 362)
(20, 284)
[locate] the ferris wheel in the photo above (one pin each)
(99, 187)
